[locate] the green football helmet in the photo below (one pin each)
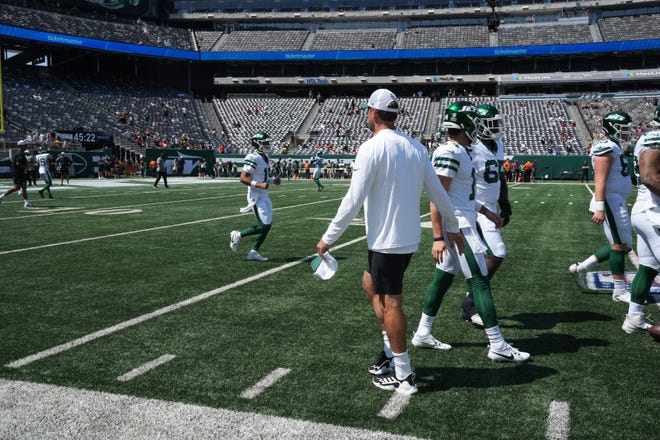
(618, 126)
(260, 141)
(462, 115)
(656, 117)
(491, 122)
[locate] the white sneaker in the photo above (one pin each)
(429, 341)
(635, 325)
(28, 205)
(580, 276)
(254, 256)
(234, 239)
(621, 295)
(389, 382)
(509, 354)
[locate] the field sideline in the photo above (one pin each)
(127, 297)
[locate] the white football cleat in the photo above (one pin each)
(429, 341)
(234, 239)
(509, 354)
(635, 325)
(254, 256)
(621, 295)
(580, 276)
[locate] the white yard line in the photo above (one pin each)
(394, 406)
(265, 383)
(145, 367)
(155, 228)
(32, 410)
(559, 421)
(162, 311)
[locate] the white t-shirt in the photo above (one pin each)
(389, 173)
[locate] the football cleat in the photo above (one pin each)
(476, 320)
(383, 365)
(428, 341)
(254, 256)
(635, 325)
(509, 354)
(621, 295)
(234, 239)
(580, 276)
(28, 205)
(389, 382)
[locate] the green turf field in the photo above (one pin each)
(102, 253)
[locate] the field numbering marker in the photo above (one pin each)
(145, 367)
(265, 383)
(559, 421)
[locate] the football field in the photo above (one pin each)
(124, 314)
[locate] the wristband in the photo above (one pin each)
(253, 184)
(438, 238)
(599, 206)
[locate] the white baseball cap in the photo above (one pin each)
(385, 100)
(324, 268)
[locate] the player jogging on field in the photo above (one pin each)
(318, 161)
(45, 160)
(256, 175)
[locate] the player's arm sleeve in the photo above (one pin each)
(440, 198)
(363, 177)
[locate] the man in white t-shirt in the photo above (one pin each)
(389, 173)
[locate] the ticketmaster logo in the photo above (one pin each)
(65, 40)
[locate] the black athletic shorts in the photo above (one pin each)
(387, 271)
(20, 178)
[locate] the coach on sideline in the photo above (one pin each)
(389, 173)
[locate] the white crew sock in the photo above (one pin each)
(495, 338)
(635, 310)
(402, 365)
(588, 263)
(425, 324)
(619, 284)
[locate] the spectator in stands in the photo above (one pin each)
(612, 188)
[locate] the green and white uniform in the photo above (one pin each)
(646, 210)
(258, 166)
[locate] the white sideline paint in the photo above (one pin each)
(265, 383)
(140, 319)
(155, 228)
(394, 406)
(145, 367)
(30, 410)
(559, 421)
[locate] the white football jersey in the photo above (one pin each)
(618, 181)
(488, 165)
(259, 167)
(645, 198)
(453, 160)
(42, 160)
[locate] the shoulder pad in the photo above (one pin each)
(601, 147)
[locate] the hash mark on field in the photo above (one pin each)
(265, 383)
(162, 311)
(559, 421)
(145, 367)
(394, 406)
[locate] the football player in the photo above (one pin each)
(491, 191)
(45, 161)
(256, 175)
(19, 175)
(646, 221)
(318, 171)
(613, 185)
(453, 165)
